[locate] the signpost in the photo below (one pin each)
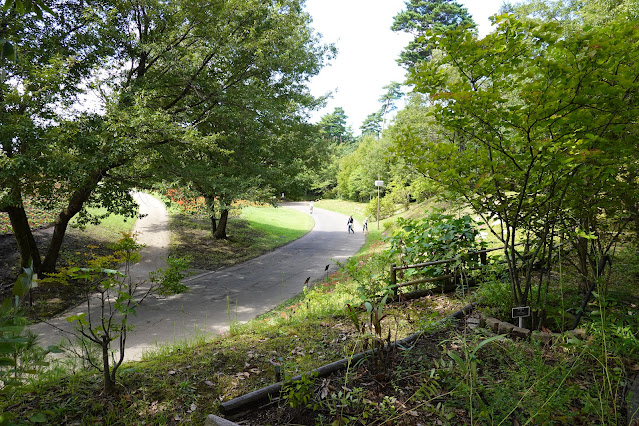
(521, 312)
(378, 184)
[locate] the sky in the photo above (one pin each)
(367, 50)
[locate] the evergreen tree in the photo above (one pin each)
(422, 16)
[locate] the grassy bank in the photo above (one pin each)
(255, 231)
(451, 375)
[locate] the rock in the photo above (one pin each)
(520, 333)
(473, 322)
(579, 333)
(543, 337)
(493, 324)
(505, 328)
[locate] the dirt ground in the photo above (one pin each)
(58, 299)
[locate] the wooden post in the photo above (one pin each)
(393, 278)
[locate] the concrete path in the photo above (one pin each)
(242, 291)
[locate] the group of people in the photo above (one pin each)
(350, 225)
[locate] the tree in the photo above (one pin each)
(422, 16)
(171, 72)
(32, 98)
(574, 14)
(533, 116)
(360, 169)
(372, 124)
(257, 137)
(388, 99)
(333, 126)
(111, 298)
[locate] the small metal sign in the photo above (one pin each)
(521, 311)
(379, 183)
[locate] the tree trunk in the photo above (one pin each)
(210, 201)
(109, 384)
(79, 197)
(24, 237)
(220, 232)
(213, 224)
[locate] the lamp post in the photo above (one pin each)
(378, 184)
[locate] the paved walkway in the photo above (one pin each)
(248, 289)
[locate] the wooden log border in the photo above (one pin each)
(256, 396)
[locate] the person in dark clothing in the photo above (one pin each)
(350, 225)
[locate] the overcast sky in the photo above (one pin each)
(367, 50)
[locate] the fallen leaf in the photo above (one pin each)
(209, 383)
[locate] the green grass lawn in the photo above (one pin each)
(256, 231)
(277, 224)
(109, 229)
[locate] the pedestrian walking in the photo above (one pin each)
(310, 207)
(350, 225)
(365, 227)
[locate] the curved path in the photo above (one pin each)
(240, 292)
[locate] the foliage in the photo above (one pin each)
(373, 333)
(118, 298)
(212, 100)
(387, 208)
(421, 16)
(359, 170)
(298, 393)
(371, 273)
(436, 237)
(21, 358)
(333, 127)
(372, 124)
(535, 130)
(38, 216)
(496, 296)
(168, 280)
(467, 364)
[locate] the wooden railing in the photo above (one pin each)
(483, 259)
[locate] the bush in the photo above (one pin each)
(386, 208)
(372, 274)
(436, 237)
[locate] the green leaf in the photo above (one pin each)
(38, 418)
(7, 362)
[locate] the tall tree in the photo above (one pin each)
(393, 94)
(171, 73)
(422, 16)
(372, 124)
(333, 126)
(259, 136)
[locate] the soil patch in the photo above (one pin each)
(49, 301)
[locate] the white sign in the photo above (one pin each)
(521, 311)
(379, 183)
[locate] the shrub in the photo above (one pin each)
(386, 208)
(436, 237)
